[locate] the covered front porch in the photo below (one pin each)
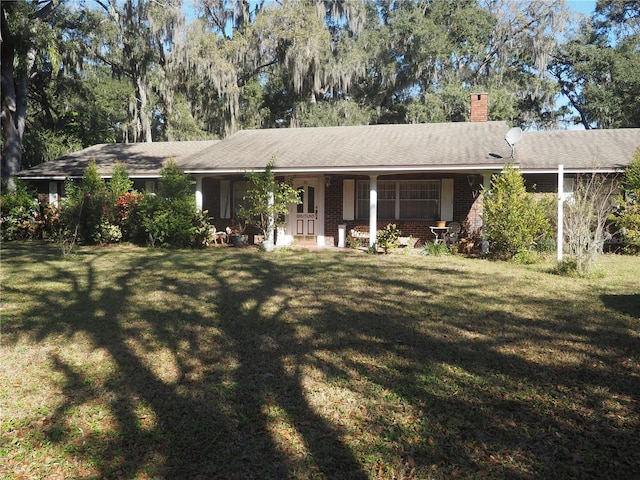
(333, 203)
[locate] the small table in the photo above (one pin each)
(440, 233)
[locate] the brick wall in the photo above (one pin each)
(465, 206)
(479, 107)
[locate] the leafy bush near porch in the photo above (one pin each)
(89, 212)
(434, 249)
(388, 238)
(171, 218)
(23, 217)
(513, 220)
(627, 216)
(267, 200)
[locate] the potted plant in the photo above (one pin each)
(238, 238)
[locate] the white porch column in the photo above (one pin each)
(269, 238)
(199, 196)
(373, 209)
(54, 198)
(560, 238)
(486, 183)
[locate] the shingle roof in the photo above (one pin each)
(418, 147)
(357, 148)
(579, 150)
(373, 148)
(141, 159)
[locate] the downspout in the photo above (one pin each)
(373, 210)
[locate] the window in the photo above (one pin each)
(362, 200)
(239, 192)
(419, 199)
(386, 199)
(401, 200)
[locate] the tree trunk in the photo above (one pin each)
(145, 121)
(14, 95)
(11, 150)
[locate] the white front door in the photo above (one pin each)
(305, 221)
(306, 215)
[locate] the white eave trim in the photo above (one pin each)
(354, 169)
(573, 170)
(62, 178)
(46, 177)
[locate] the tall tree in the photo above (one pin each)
(135, 44)
(598, 69)
(23, 37)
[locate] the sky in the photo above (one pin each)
(583, 6)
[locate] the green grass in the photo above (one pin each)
(123, 362)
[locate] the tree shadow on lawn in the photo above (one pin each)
(492, 412)
(203, 428)
(627, 304)
(242, 332)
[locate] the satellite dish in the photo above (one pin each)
(513, 136)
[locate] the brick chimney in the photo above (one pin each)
(479, 107)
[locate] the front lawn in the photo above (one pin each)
(124, 362)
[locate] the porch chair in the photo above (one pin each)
(219, 235)
(451, 237)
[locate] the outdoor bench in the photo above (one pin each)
(361, 233)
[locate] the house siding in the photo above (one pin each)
(541, 183)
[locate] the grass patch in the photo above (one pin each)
(124, 362)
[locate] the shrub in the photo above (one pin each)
(627, 216)
(22, 217)
(91, 210)
(512, 219)
(434, 249)
(109, 233)
(628, 223)
(15, 211)
(354, 242)
(585, 217)
(171, 219)
(167, 222)
(20, 196)
(527, 257)
(127, 216)
(568, 268)
(85, 204)
(388, 238)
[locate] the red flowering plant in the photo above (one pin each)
(126, 213)
(46, 222)
(91, 214)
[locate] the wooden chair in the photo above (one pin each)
(220, 235)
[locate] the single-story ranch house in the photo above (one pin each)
(370, 175)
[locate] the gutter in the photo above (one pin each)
(370, 169)
(75, 177)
